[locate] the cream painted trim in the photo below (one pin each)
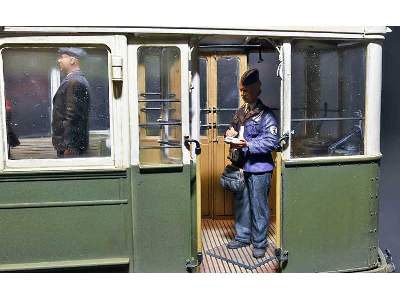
(133, 97)
(278, 200)
(118, 112)
(195, 97)
(93, 167)
(356, 32)
(133, 102)
(121, 109)
(286, 97)
(185, 85)
(65, 264)
(373, 85)
(3, 129)
(329, 159)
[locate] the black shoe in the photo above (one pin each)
(258, 252)
(236, 244)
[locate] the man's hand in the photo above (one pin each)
(231, 132)
(241, 144)
(70, 152)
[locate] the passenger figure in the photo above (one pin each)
(260, 138)
(12, 138)
(71, 106)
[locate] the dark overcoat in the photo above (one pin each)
(71, 114)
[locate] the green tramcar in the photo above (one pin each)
(145, 197)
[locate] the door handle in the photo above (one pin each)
(215, 133)
(283, 141)
(188, 141)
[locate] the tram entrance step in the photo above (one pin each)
(242, 257)
(218, 259)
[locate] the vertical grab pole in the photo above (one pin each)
(286, 78)
(195, 113)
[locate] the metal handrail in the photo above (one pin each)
(327, 119)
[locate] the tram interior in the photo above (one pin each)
(221, 64)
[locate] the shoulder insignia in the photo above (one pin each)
(273, 130)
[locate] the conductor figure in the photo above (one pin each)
(259, 140)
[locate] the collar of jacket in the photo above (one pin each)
(74, 72)
(245, 112)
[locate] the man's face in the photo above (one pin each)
(249, 93)
(64, 62)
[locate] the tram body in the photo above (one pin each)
(161, 101)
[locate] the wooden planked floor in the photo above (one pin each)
(219, 232)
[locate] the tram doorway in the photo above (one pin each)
(219, 77)
(219, 99)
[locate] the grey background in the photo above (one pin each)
(389, 219)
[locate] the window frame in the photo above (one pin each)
(134, 100)
(116, 46)
(372, 102)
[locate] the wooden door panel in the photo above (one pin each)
(205, 161)
(216, 202)
(219, 165)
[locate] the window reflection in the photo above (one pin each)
(328, 82)
(32, 78)
(203, 96)
(227, 91)
(160, 125)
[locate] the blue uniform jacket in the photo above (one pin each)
(261, 134)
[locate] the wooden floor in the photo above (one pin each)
(218, 233)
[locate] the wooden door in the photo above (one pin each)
(220, 98)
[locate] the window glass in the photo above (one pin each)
(57, 102)
(328, 99)
(270, 82)
(227, 91)
(160, 125)
(204, 109)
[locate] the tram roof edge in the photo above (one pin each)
(270, 30)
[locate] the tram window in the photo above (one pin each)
(328, 99)
(159, 88)
(203, 97)
(228, 93)
(271, 83)
(31, 79)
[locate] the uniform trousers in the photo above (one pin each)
(251, 210)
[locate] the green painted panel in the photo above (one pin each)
(53, 217)
(329, 218)
(62, 187)
(162, 210)
(62, 233)
(193, 203)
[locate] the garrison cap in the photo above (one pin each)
(71, 51)
(249, 77)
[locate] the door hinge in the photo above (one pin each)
(282, 256)
(116, 68)
(193, 263)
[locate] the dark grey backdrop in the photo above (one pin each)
(389, 222)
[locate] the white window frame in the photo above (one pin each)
(134, 98)
(119, 115)
(373, 80)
